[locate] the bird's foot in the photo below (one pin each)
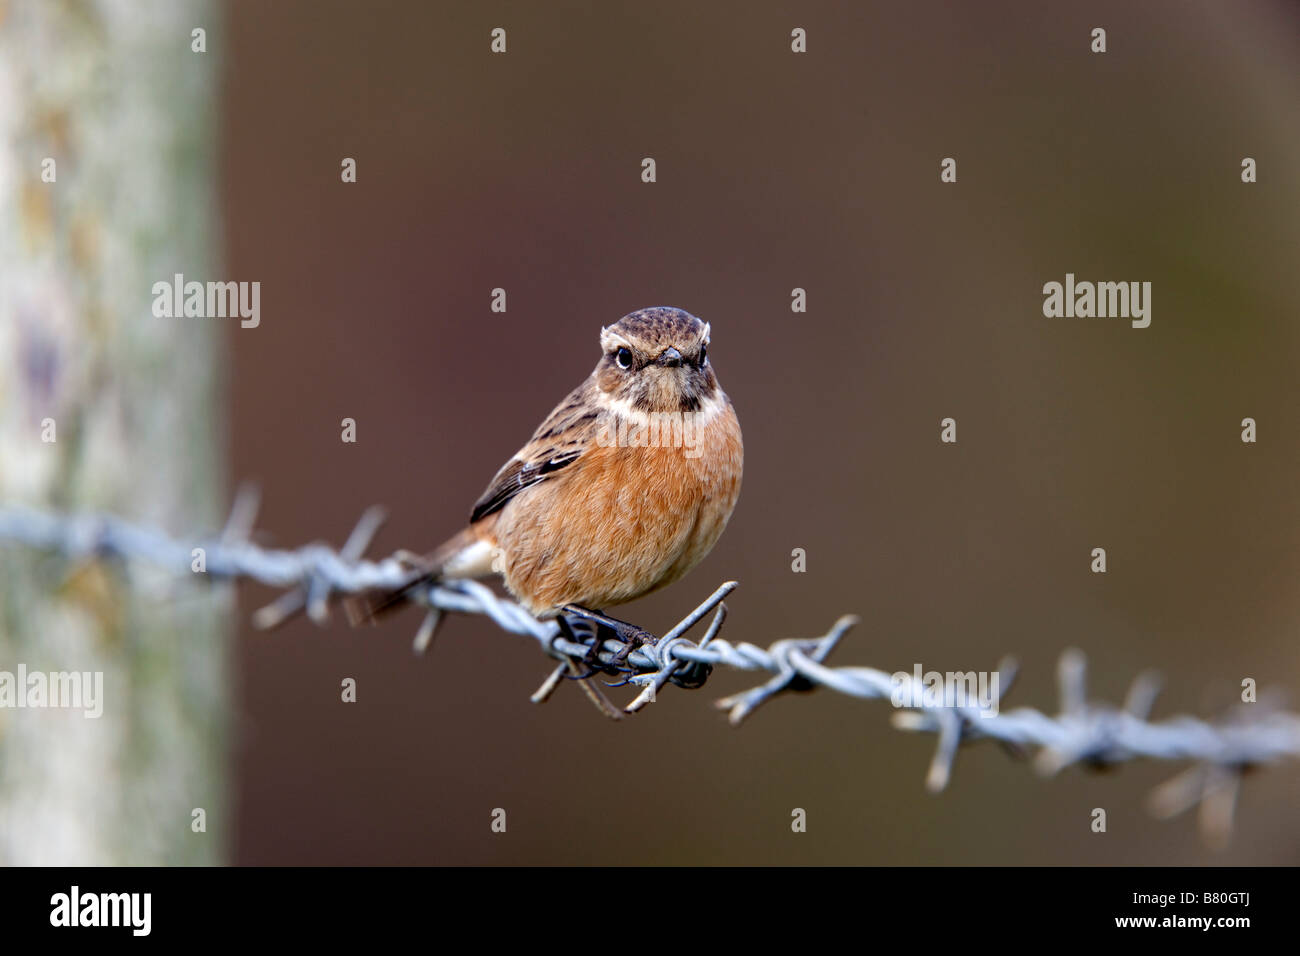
(634, 638)
(629, 636)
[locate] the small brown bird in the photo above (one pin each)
(623, 489)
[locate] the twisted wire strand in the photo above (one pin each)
(1095, 734)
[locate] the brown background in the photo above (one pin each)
(775, 171)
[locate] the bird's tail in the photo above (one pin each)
(467, 555)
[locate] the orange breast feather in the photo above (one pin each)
(621, 522)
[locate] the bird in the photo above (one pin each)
(625, 487)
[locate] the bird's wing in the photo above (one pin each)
(558, 442)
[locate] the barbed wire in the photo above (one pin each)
(1090, 733)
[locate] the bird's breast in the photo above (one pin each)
(641, 507)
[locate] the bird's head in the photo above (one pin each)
(656, 360)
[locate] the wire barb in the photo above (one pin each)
(1093, 734)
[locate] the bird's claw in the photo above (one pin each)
(633, 639)
(630, 638)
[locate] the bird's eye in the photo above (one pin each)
(704, 354)
(623, 358)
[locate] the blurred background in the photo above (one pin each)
(775, 170)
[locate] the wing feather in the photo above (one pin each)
(556, 445)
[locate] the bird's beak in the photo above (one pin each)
(670, 357)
